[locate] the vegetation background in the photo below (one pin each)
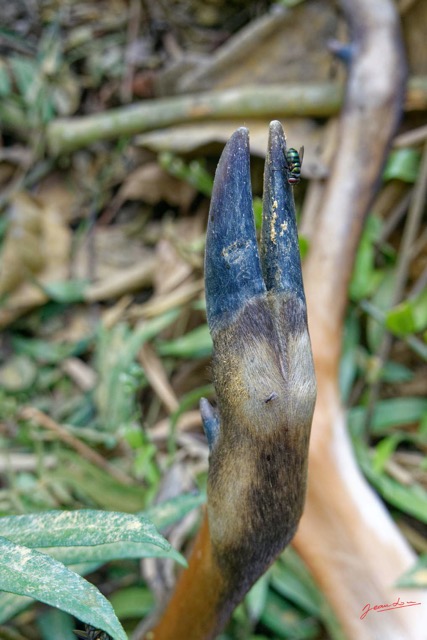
(105, 350)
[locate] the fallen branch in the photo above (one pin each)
(283, 101)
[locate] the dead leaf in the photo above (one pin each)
(283, 45)
(151, 184)
(36, 252)
(173, 268)
(188, 138)
(23, 251)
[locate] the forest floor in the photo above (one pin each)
(104, 352)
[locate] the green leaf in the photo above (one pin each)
(388, 414)
(66, 292)
(410, 316)
(94, 484)
(162, 515)
(25, 71)
(381, 300)
(291, 578)
(304, 246)
(47, 352)
(400, 320)
(349, 358)
(383, 452)
(11, 605)
(132, 602)
(5, 85)
(195, 344)
(410, 499)
(194, 173)
(88, 535)
(18, 373)
(402, 164)
(119, 375)
(256, 599)
(286, 621)
(55, 624)
(395, 372)
(166, 513)
(257, 206)
(365, 277)
(416, 577)
(28, 572)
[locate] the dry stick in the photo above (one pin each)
(131, 279)
(394, 218)
(45, 421)
(411, 138)
(167, 301)
(421, 282)
(157, 377)
(346, 536)
(315, 100)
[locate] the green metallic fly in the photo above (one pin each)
(90, 633)
(294, 162)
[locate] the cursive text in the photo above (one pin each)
(397, 604)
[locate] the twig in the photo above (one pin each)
(410, 138)
(157, 377)
(24, 462)
(45, 421)
(186, 421)
(394, 217)
(132, 279)
(421, 282)
(162, 303)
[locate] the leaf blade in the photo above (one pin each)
(27, 572)
(88, 535)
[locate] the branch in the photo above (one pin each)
(313, 100)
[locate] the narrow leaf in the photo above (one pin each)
(195, 344)
(31, 573)
(66, 292)
(285, 621)
(402, 164)
(393, 412)
(170, 511)
(88, 535)
(416, 577)
(162, 515)
(12, 604)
